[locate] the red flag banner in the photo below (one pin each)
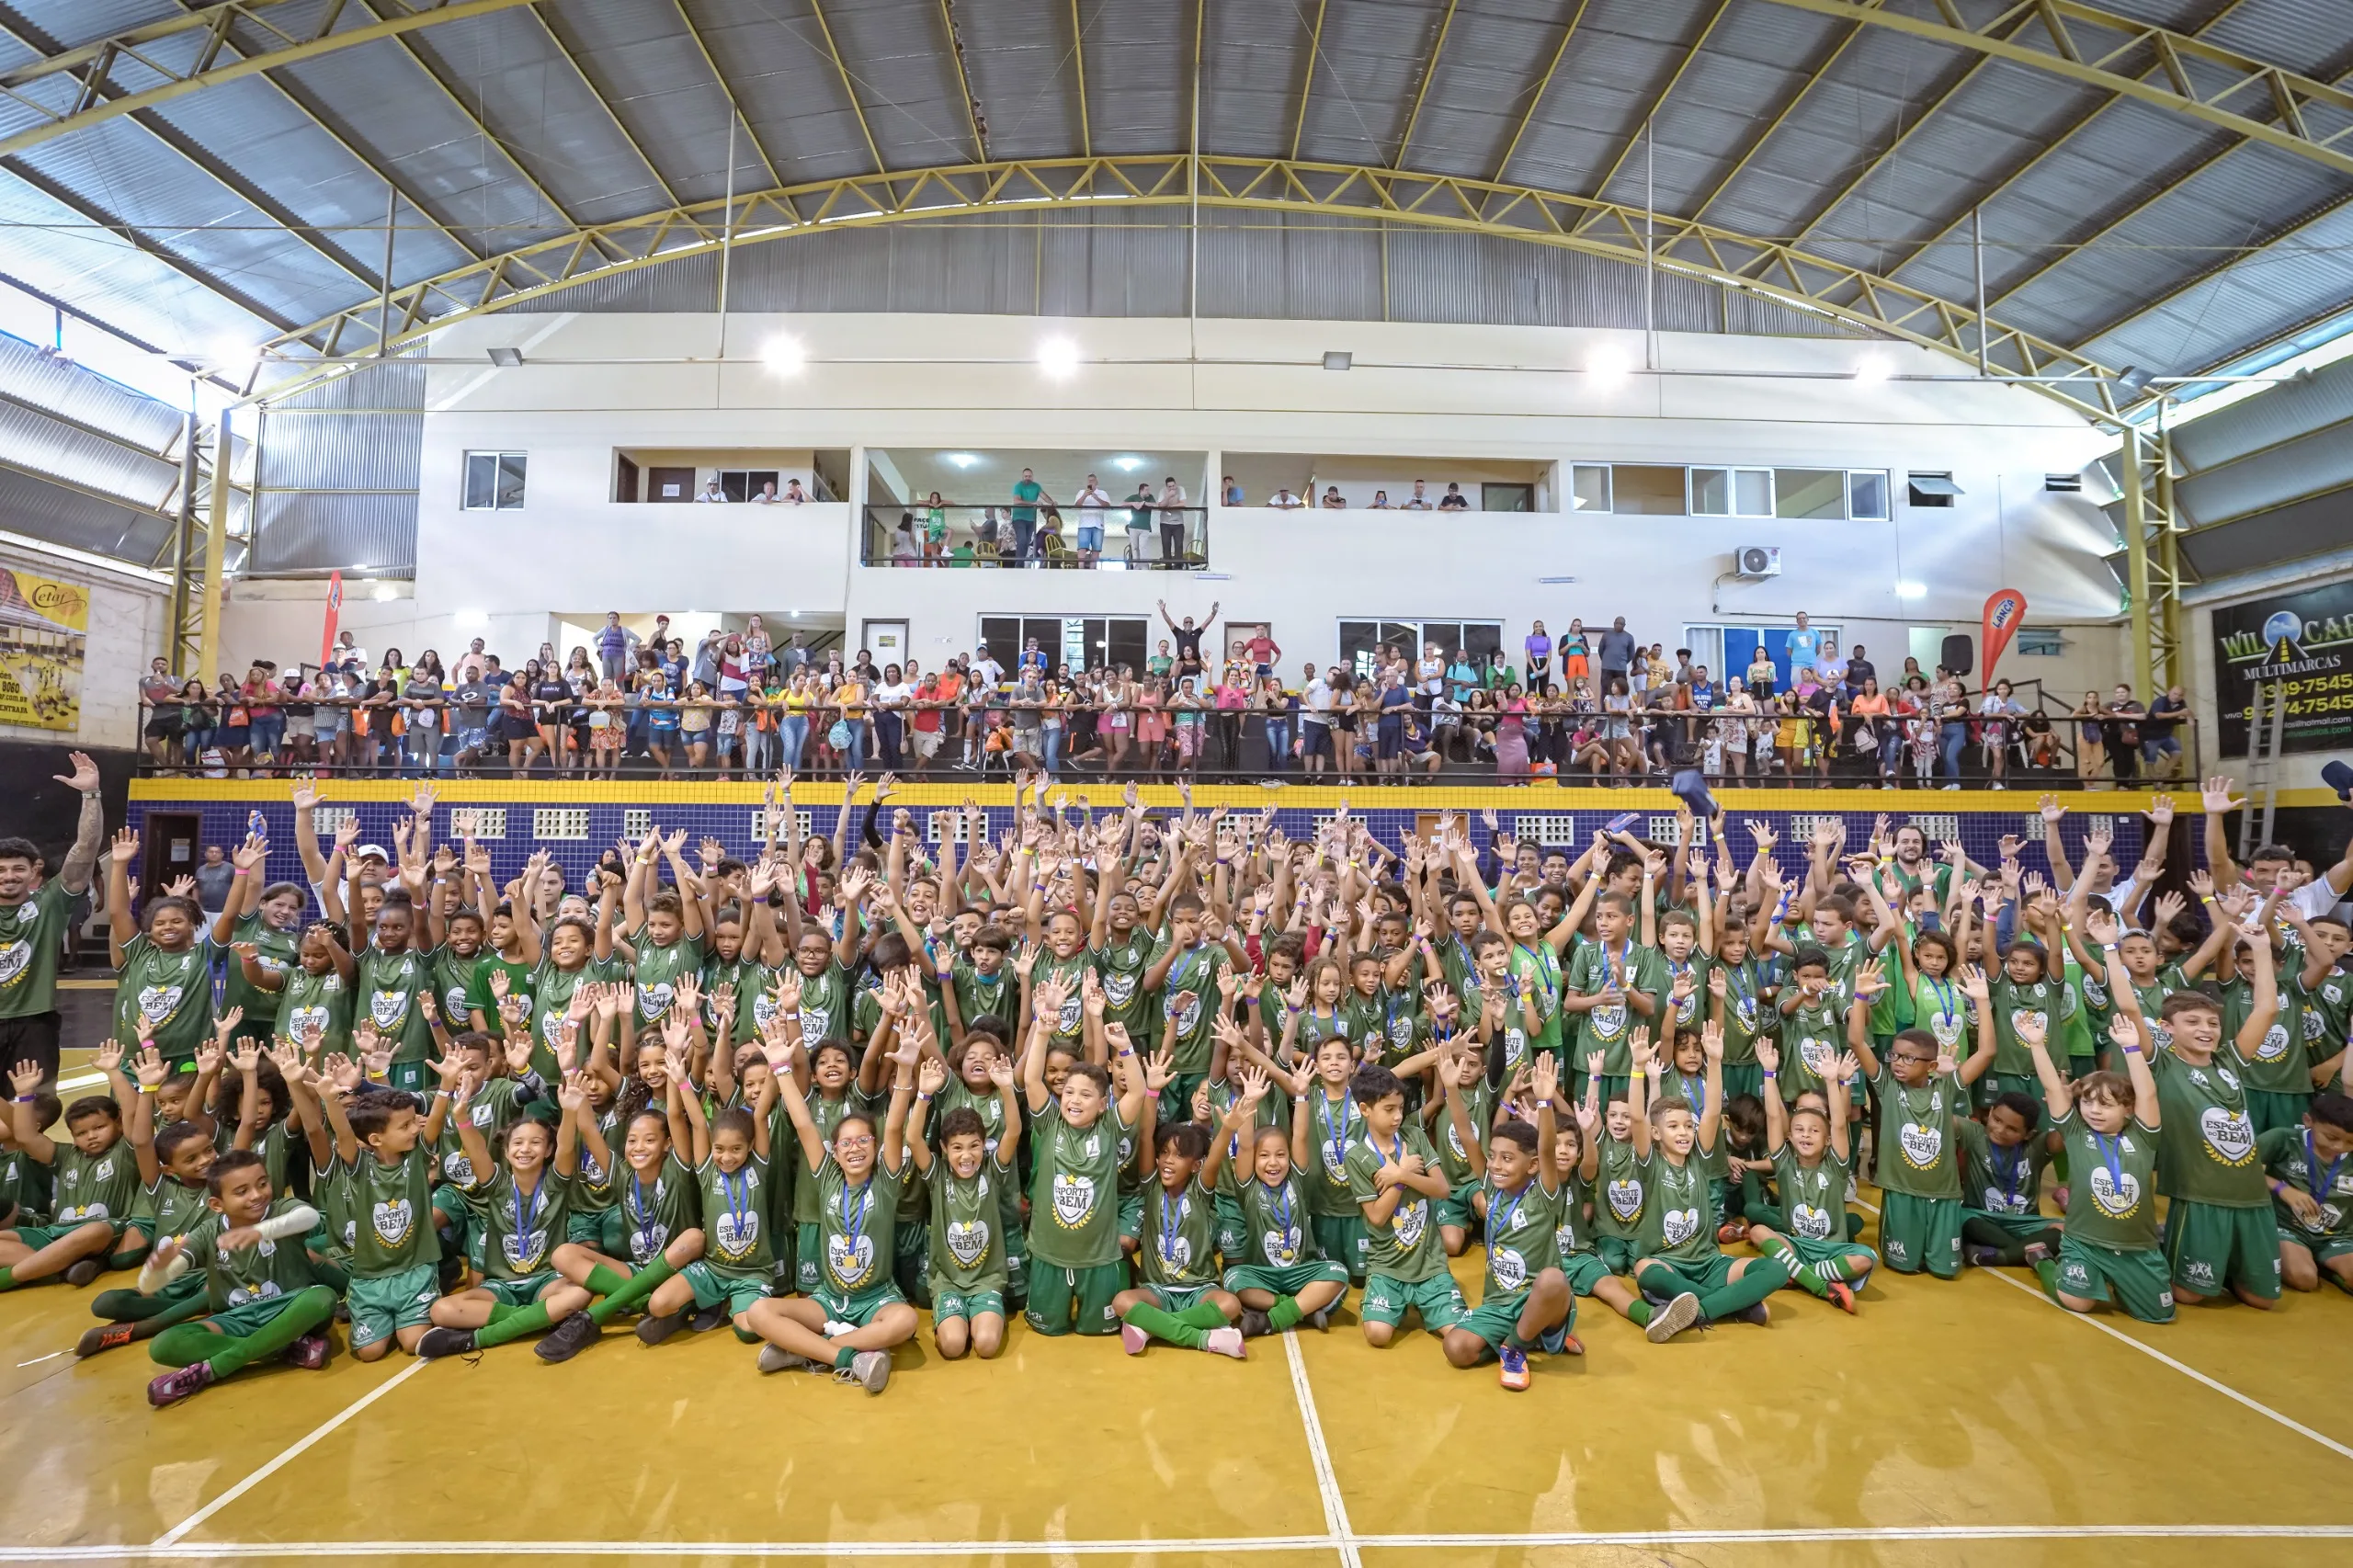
(2004, 612)
(334, 610)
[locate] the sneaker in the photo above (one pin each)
(654, 1330)
(1132, 1339)
(1255, 1324)
(1732, 1231)
(1572, 1346)
(1755, 1313)
(1515, 1367)
(1844, 1294)
(2036, 1252)
(568, 1338)
(173, 1387)
(82, 1272)
(777, 1358)
(870, 1369)
(1979, 1257)
(702, 1320)
(1226, 1341)
(309, 1352)
(1673, 1319)
(105, 1336)
(1321, 1317)
(439, 1342)
(1952, 786)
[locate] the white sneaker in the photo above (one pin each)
(1672, 1319)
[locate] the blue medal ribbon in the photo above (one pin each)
(736, 1191)
(2322, 1184)
(522, 1224)
(1169, 1226)
(1340, 1134)
(855, 1226)
(2111, 1155)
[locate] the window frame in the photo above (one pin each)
(499, 461)
(1733, 474)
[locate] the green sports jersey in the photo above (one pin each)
(1572, 1232)
(1275, 1229)
(1074, 1192)
(2277, 1063)
(860, 1224)
(745, 979)
(2044, 1000)
(1677, 1222)
(2327, 1012)
(656, 973)
(979, 995)
(1846, 955)
(389, 985)
(2077, 1032)
(1609, 1029)
(1179, 1237)
(276, 1145)
(1813, 1204)
(2112, 1200)
(1188, 1028)
(481, 998)
(1406, 1246)
(522, 1229)
(1541, 967)
(736, 1243)
(1892, 1009)
(1522, 1232)
(173, 990)
(1942, 1008)
(1814, 1035)
(1716, 1162)
(323, 999)
(1274, 1110)
(390, 1203)
(453, 984)
(1690, 1013)
(1620, 1184)
(1317, 1027)
(93, 1186)
(1361, 1020)
(1915, 1133)
(2151, 995)
(2205, 1141)
(24, 1187)
(826, 1111)
(172, 1207)
(1266, 1004)
(1748, 1013)
(492, 1111)
(275, 952)
(2292, 1156)
(1995, 1178)
(262, 1272)
(968, 1226)
(1070, 1026)
(1479, 1108)
(1334, 1125)
(1461, 973)
(1123, 963)
(32, 935)
(552, 992)
(656, 1212)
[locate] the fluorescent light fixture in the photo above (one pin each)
(1872, 369)
(1908, 590)
(1058, 357)
(506, 359)
(962, 459)
(1608, 362)
(384, 591)
(1337, 359)
(783, 355)
(1126, 465)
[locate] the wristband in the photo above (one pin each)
(2278, 1188)
(26, 1099)
(2133, 1050)
(1772, 1074)
(240, 870)
(2108, 947)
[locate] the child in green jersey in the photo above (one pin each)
(2111, 1124)
(172, 1164)
(527, 1197)
(1276, 1271)
(1394, 1179)
(383, 1163)
(162, 958)
(970, 1260)
(312, 996)
(94, 1180)
(1178, 1298)
(665, 926)
(24, 1181)
(1920, 1089)
(257, 1283)
(1811, 1159)
(1076, 1137)
(2312, 1193)
(2003, 1159)
(1525, 1300)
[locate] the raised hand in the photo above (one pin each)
(1768, 1055)
(2216, 796)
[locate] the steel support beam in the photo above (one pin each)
(2152, 557)
(604, 101)
(2189, 75)
(955, 37)
(1615, 230)
(1544, 86)
(1815, 73)
(1414, 115)
(1078, 57)
(1307, 82)
(849, 87)
(1642, 122)
(182, 54)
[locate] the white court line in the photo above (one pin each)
(1336, 1508)
(86, 1081)
(38, 1359)
(301, 1447)
(706, 1550)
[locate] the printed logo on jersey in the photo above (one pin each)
(453, 1003)
(1946, 1027)
(653, 1000)
(388, 1008)
(646, 1241)
(2273, 1045)
(1282, 1247)
(812, 1026)
(849, 1261)
(2024, 1021)
(1074, 1199)
(1181, 1020)
(2229, 1135)
(2315, 1025)
(458, 1168)
(14, 957)
(2118, 1195)
(301, 1021)
(157, 1002)
(1607, 1023)
(1072, 1016)
(1811, 1222)
(1509, 1268)
(1921, 1146)
(1625, 1200)
(1410, 1220)
(524, 1249)
(738, 1232)
(393, 1219)
(1816, 1054)
(968, 1241)
(1678, 1225)
(1118, 989)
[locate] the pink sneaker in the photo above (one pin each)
(1132, 1339)
(173, 1387)
(309, 1352)
(1226, 1341)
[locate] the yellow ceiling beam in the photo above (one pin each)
(1543, 85)
(1414, 115)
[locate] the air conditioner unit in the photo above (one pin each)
(1756, 561)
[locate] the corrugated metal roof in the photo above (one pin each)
(30, 376)
(2307, 402)
(323, 531)
(62, 516)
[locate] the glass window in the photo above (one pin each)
(1494, 497)
(1752, 491)
(1930, 490)
(1809, 492)
(1732, 493)
(493, 481)
(1710, 493)
(1867, 495)
(1589, 487)
(1646, 491)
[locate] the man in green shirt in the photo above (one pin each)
(1395, 1181)
(33, 917)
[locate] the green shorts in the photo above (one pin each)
(948, 1301)
(1342, 1239)
(2212, 1249)
(40, 1236)
(1132, 1216)
(249, 1317)
(1810, 1251)
(1744, 1078)
(858, 1308)
(809, 1258)
(1231, 1239)
(587, 1227)
(1455, 1209)
(1438, 1299)
(711, 1288)
(1921, 1232)
(1585, 1270)
(2322, 1248)
(1280, 1282)
(1175, 1298)
(2025, 1227)
(521, 1292)
(1616, 1253)
(2270, 1108)
(382, 1306)
(1073, 1300)
(1496, 1318)
(1710, 1274)
(2137, 1278)
(466, 1231)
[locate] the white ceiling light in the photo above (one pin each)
(962, 459)
(1126, 465)
(783, 355)
(1911, 590)
(1872, 369)
(384, 591)
(1058, 357)
(228, 354)
(1608, 362)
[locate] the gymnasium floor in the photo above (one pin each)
(1948, 1424)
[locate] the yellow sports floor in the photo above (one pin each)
(1970, 1421)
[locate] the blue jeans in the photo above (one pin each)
(1891, 756)
(854, 754)
(1951, 740)
(269, 734)
(1024, 530)
(792, 738)
(1050, 738)
(1278, 745)
(886, 739)
(759, 750)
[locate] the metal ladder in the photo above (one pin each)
(2266, 725)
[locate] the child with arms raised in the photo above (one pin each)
(1811, 1158)
(1525, 1300)
(2111, 1123)
(969, 1262)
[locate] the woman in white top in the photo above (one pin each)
(1997, 717)
(1732, 724)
